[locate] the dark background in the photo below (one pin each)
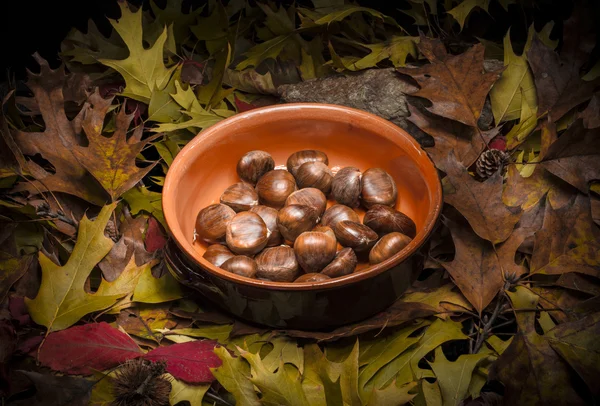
(28, 26)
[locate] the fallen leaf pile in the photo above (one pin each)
(506, 308)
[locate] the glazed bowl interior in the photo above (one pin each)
(207, 165)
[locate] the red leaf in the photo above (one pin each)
(80, 350)
(155, 238)
(243, 106)
(189, 362)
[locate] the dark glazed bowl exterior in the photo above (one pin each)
(206, 166)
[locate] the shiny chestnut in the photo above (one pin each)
(388, 246)
(212, 221)
(378, 187)
(337, 213)
(312, 277)
(247, 233)
(274, 187)
(216, 254)
(355, 235)
(314, 175)
(384, 220)
(253, 165)
(346, 186)
(312, 197)
(241, 265)
(277, 264)
(310, 155)
(269, 216)
(240, 197)
(295, 219)
(344, 263)
(314, 250)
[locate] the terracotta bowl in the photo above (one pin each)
(206, 166)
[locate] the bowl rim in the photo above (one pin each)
(178, 166)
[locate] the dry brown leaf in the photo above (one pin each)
(480, 202)
(591, 114)
(466, 142)
(557, 80)
(527, 192)
(456, 85)
(575, 156)
(57, 142)
(111, 160)
(568, 242)
(479, 269)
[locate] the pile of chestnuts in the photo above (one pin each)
(275, 225)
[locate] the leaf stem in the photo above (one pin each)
(487, 327)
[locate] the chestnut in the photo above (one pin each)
(274, 187)
(240, 197)
(314, 175)
(337, 213)
(241, 265)
(246, 233)
(211, 222)
(355, 235)
(346, 186)
(310, 155)
(312, 277)
(295, 219)
(216, 254)
(277, 264)
(324, 229)
(269, 216)
(309, 197)
(378, 187)
(253, 165)
(344, 263)
(389, 245)
(314, 250)
(384, 220)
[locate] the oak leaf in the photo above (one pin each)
(568, 242)
(144, 69)
(532, 372)
(11, 270)
(527, 192)
(577, 343)
(82, 349)
(145, 323)
(57, 142)
(464, 9)
(575, 156)
(318, 382)
(189, 362)
(183, 392)
(479, 268)
(234, 375)
(466, 142)
(480, 202)
(111, 160)
(456, 85)
(557, 80)
(62, 299)
(454, 377)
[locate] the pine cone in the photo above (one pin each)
(111, 231)
(490, 162)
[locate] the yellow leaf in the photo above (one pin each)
(142, 199)
(393, 395)
(286, 350)
(396, 49)
(526, 125)
(62, 299)
(444, 298)
(213, 332)
(144, 69)
(183, 392)
(156, 290)
(464, 9)
(234, 376)
(454, 377)
(515, 84)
